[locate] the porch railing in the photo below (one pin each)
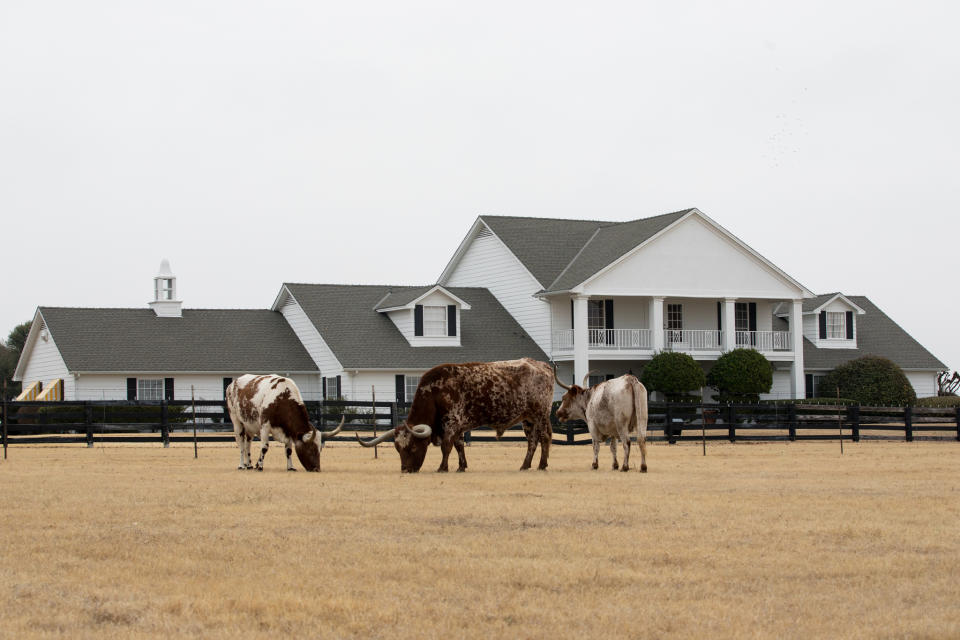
(692, 339)
(765, 340)
(612, 339)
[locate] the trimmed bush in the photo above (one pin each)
(939, 401)
(741, 375)
(674, 374)
(871, 381)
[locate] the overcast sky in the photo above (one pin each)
(356, 142)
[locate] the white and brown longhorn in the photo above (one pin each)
(455, 398)
(612, 409)
(270, 404)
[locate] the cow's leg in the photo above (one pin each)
(240, 437)
(446, 445)
(626, 452)
(288, 443)
(247, 444)
(531, 444)
(545, 432)
(613, 452)
(643, 452)
(461, 454)
(596, 449)
(264, 445)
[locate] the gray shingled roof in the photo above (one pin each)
(215, 340)
(364, 339)
(877, 335)
(812, 304)
(401, 296)
(563, 253)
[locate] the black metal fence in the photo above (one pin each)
(114, 421)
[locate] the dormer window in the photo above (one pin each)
(836, 325)
(164, 288)
(434, 320)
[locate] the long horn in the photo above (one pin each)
(375, 441)
(330, 434)
(565, 386)
(421, 430)
(586, 378)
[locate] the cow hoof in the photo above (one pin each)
(259, 468)
(594, 465)
(625, 468)
(542, 467)
(291, 469)
(461, 469)
(525, 467)
(615, 466)
(643, 468)
(442, 470)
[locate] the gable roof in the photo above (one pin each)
(812, 305)
(549, 247)
(202, 340)
(407, 297)
(877, 335)
(362, 338)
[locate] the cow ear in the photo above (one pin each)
(308, 436)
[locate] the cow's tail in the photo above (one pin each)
(640, 411)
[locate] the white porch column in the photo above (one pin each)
(581, 345)
(729, 324)
(656, 323)
(797, 384)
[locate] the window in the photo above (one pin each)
(741, 316)
(817, 379)
(595, 380)
(836, 325)
(333, 388)
(675, 323)
(164, 288)
(410, 384)
(149, 389)
(434, 321)
(595, 317)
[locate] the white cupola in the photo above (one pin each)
(165, 303)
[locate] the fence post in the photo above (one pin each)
(853, 415)
(668, 424)
(4, 417)
(958, 423)
(732, 423)
(792, 417)
(88, 421)
(908, 423)
(164, 425)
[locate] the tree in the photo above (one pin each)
(946, 384)
(673, 374)
(10, 354)
(741, 375)
(18, 337)
(870, 380)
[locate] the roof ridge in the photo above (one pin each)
(574, 258)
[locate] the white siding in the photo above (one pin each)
(403, 320)
(781, 389)
(311, 338)
(358, 386)
(924, 382)
(488, 263)
(95, 386)
(45, 364)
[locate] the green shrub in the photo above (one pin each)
(674, 374)
(870, 381)
(939, 401)
(741, 375)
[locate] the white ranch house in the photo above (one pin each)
(596, 297)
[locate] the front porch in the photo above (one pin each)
(640, 342)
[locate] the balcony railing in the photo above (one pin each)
(612, 339)
(673, 340)
(765, 340)
(692, 340)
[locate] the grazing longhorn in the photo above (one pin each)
(268, 405)
(455, 398)
(612, 409)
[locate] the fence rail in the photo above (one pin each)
(91, 422)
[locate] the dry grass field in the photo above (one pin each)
(754, 540)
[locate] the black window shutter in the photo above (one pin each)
(808, 382)
(849, 325)
(168, 388)
(571, 314)
(823, 325)
(451, 319)
(752, 313)
(609, 376)
(719, 316)
(418, 320)
(401, 388)
(226, 383)
(339, 390)
(323, 383)
(131, 388)
(608, 314)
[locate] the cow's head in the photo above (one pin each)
(573, 406)
(310, 444)
(411, 443)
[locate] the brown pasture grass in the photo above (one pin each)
(753, 540)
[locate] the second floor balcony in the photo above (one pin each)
(685, 340)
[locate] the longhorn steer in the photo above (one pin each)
(268, 405)
(612, 409)
(454, 398)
